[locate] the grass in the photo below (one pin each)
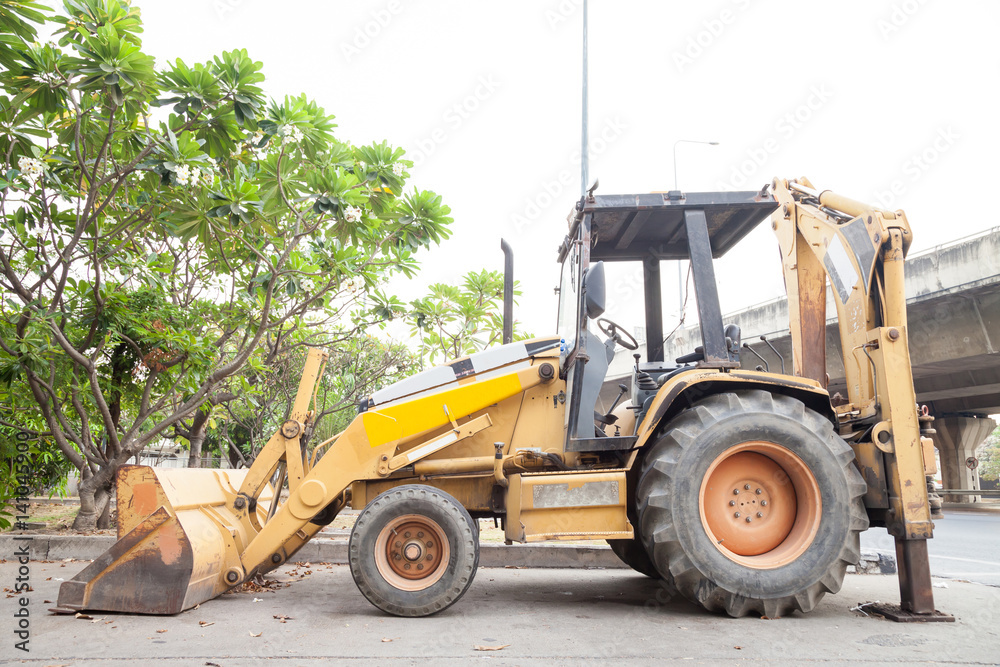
(55, 516)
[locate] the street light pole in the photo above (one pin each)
(584, 152)
(680, 263)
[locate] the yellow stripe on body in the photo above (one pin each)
(427, 412)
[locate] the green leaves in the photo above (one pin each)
(16, 28)
(108, 62)
(138, 258)
(453, 321)
(239, 202)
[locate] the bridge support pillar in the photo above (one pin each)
(957, 438)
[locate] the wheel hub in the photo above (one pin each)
(411, 552)
(760, 504)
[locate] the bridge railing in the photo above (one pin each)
(995, 493)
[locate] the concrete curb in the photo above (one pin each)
(873, 562)
(326, 550)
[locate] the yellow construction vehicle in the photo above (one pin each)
(746, 490)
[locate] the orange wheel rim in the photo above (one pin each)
(412, 552)
(760, 504)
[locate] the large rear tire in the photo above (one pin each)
(633, 553)
(751, 503)
(413, 551)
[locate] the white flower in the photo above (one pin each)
(397, 169)
(289, 134)
(31, 169)
(352, 214)
(364, 167)
(187, 175)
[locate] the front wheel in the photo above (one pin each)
(752, 504)
(413, 551)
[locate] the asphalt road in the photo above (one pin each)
(966, 545)
(508, 617)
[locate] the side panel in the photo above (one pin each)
(567, 506)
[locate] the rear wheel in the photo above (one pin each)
(752, 504)
(633, 553)
(413, 551)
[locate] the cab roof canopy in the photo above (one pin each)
(696, 226)
(637, 227)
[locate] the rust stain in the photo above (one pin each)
(170, 545)
(144, 498)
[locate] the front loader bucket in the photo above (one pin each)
(177, 538)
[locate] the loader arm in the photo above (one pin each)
(187, 536)
(860, 250)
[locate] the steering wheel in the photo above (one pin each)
(615, 332)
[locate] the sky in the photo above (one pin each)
(893, 102)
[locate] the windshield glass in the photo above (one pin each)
(569, 299)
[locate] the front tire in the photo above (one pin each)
(413, 551)
(751, 503)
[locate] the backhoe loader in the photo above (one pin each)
(744, 490)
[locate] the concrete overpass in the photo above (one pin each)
(953, 310)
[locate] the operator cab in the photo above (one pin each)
(647, 228)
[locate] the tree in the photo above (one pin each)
(359, 367)
(989, 457)
(154, 264)
(453, 321)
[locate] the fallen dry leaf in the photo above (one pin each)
(491, 648)
(161, 631)
(738, 648)
(256, 635)
(81, 615)
(386, 640)
(212, 664)
(98, 619)
(282, 618)
(205, 624)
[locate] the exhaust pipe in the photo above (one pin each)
(508, 292)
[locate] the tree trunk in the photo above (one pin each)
(95, 498)
(196, 437)
(103, 497)
(86, 518)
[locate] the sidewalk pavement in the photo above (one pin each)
(331, 547)
(540, 617)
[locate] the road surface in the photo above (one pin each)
(966, 545)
